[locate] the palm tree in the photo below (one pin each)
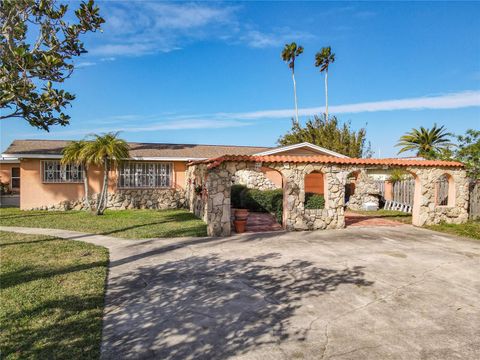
(74, 153)
(106, 150)
(289, 54)
(428, 143)
(323, 59)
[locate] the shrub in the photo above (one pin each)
(4, 188)
(270, 201)
(314, 201)
(236, 192)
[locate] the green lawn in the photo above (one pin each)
(52, 296)
(471, 229)
(133, 224)
(388, 214)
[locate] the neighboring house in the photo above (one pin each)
(9, 181)
(153, 177)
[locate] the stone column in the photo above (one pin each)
(218, 202)
(335, 197)
(293, 198)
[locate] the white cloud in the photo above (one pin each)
(447, 101)
(169, 125)
(141, 28)
(146, 27)
(172, 122)
(85, 64)
(278, 37)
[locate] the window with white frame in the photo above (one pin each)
(15, 178)
(145, 175)
(55, 172)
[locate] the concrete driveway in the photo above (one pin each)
(358, 293)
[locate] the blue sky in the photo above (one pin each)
(211, 72)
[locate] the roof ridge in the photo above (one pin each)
(157, 143)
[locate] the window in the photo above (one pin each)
(144, 175)
(54, 172)
(15, 178)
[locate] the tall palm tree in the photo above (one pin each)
(74, 153)
(427, 143)
(289, 54)
(106, 150)
(323, 59)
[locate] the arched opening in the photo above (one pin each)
(445, 191)
(257, 199)
(350, 185)
(382, 198)
(315, 190)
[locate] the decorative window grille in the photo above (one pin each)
(54, 172)
(144, 175)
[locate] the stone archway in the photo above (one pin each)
(260, 191)
(213, 203)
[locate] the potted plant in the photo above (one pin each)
(241, 215)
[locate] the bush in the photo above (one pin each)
(236, 192)
(270, 201)
(314, 201)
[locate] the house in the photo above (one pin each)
(9, 181)
(153, 176)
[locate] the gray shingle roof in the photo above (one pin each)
(191, 151)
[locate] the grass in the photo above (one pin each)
(388, 214)
(470, 229)
(52, 296)
(132, 224)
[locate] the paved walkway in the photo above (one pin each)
(357, 293)
(259, 222)
(355, 219)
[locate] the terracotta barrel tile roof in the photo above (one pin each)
(214, 162)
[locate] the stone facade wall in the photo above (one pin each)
(196, 175)
(129, 199)
(366, 191)
(253, 179)
(213, 205)
(429, 212)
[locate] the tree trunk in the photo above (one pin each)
(295, 95)
(101, 202)
(326, 96)
(85, 184)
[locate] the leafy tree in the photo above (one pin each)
(468, 152)
(289, 55)
(330, 135)
(37, 48)
(106, 150)
(75, 153)
(323, 59)
(427, 143)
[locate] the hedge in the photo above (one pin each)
(270, 201)
(314, 201)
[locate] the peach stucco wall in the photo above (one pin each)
(274, 176)
(35, 193)
(314, 183)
